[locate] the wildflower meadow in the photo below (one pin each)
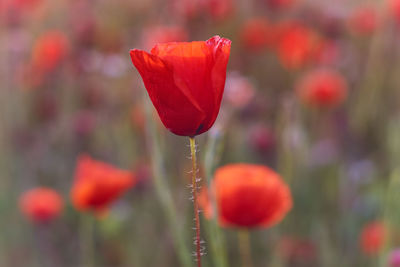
(200, 133)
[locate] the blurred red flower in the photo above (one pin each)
(220, 9)
(185, 82)
(247, 196)
(256, 34)
(364, 20)
(280, 4)
(322, 88)
(41, 204)
(394, 7)
(97, 184)
(49, 50)
(163, 34)
(372, 237)
(296, 44)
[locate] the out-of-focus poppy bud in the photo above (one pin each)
(296, 44)
(256, 34)
(41, 204)
(49, 50)
(322, 88)
(372, 238)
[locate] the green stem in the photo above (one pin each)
(244, 248)
(216, 239)
(87, 240)
(195, 202)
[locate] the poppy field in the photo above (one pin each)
(190, 133)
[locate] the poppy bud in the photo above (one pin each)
(322, 88)
(372, 238)
(41, 204)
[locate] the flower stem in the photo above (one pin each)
(216, 238)
(164, 194)
(87, 240)
(195, 204)
(244, 248)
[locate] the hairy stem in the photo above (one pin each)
(195, 203)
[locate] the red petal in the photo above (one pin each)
(177, 108)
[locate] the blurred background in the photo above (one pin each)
(312, 91)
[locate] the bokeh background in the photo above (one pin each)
(68, 87)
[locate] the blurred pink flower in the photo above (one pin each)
(239, 91)
(394, 258)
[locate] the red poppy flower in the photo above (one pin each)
(247, 196)
(394, 7)
(372, 238)
(296, 44)
(256, 34)
(49, 50)
(41, 204)
(322, 88)
(185, 82)
(97, 184)
(364, 20)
